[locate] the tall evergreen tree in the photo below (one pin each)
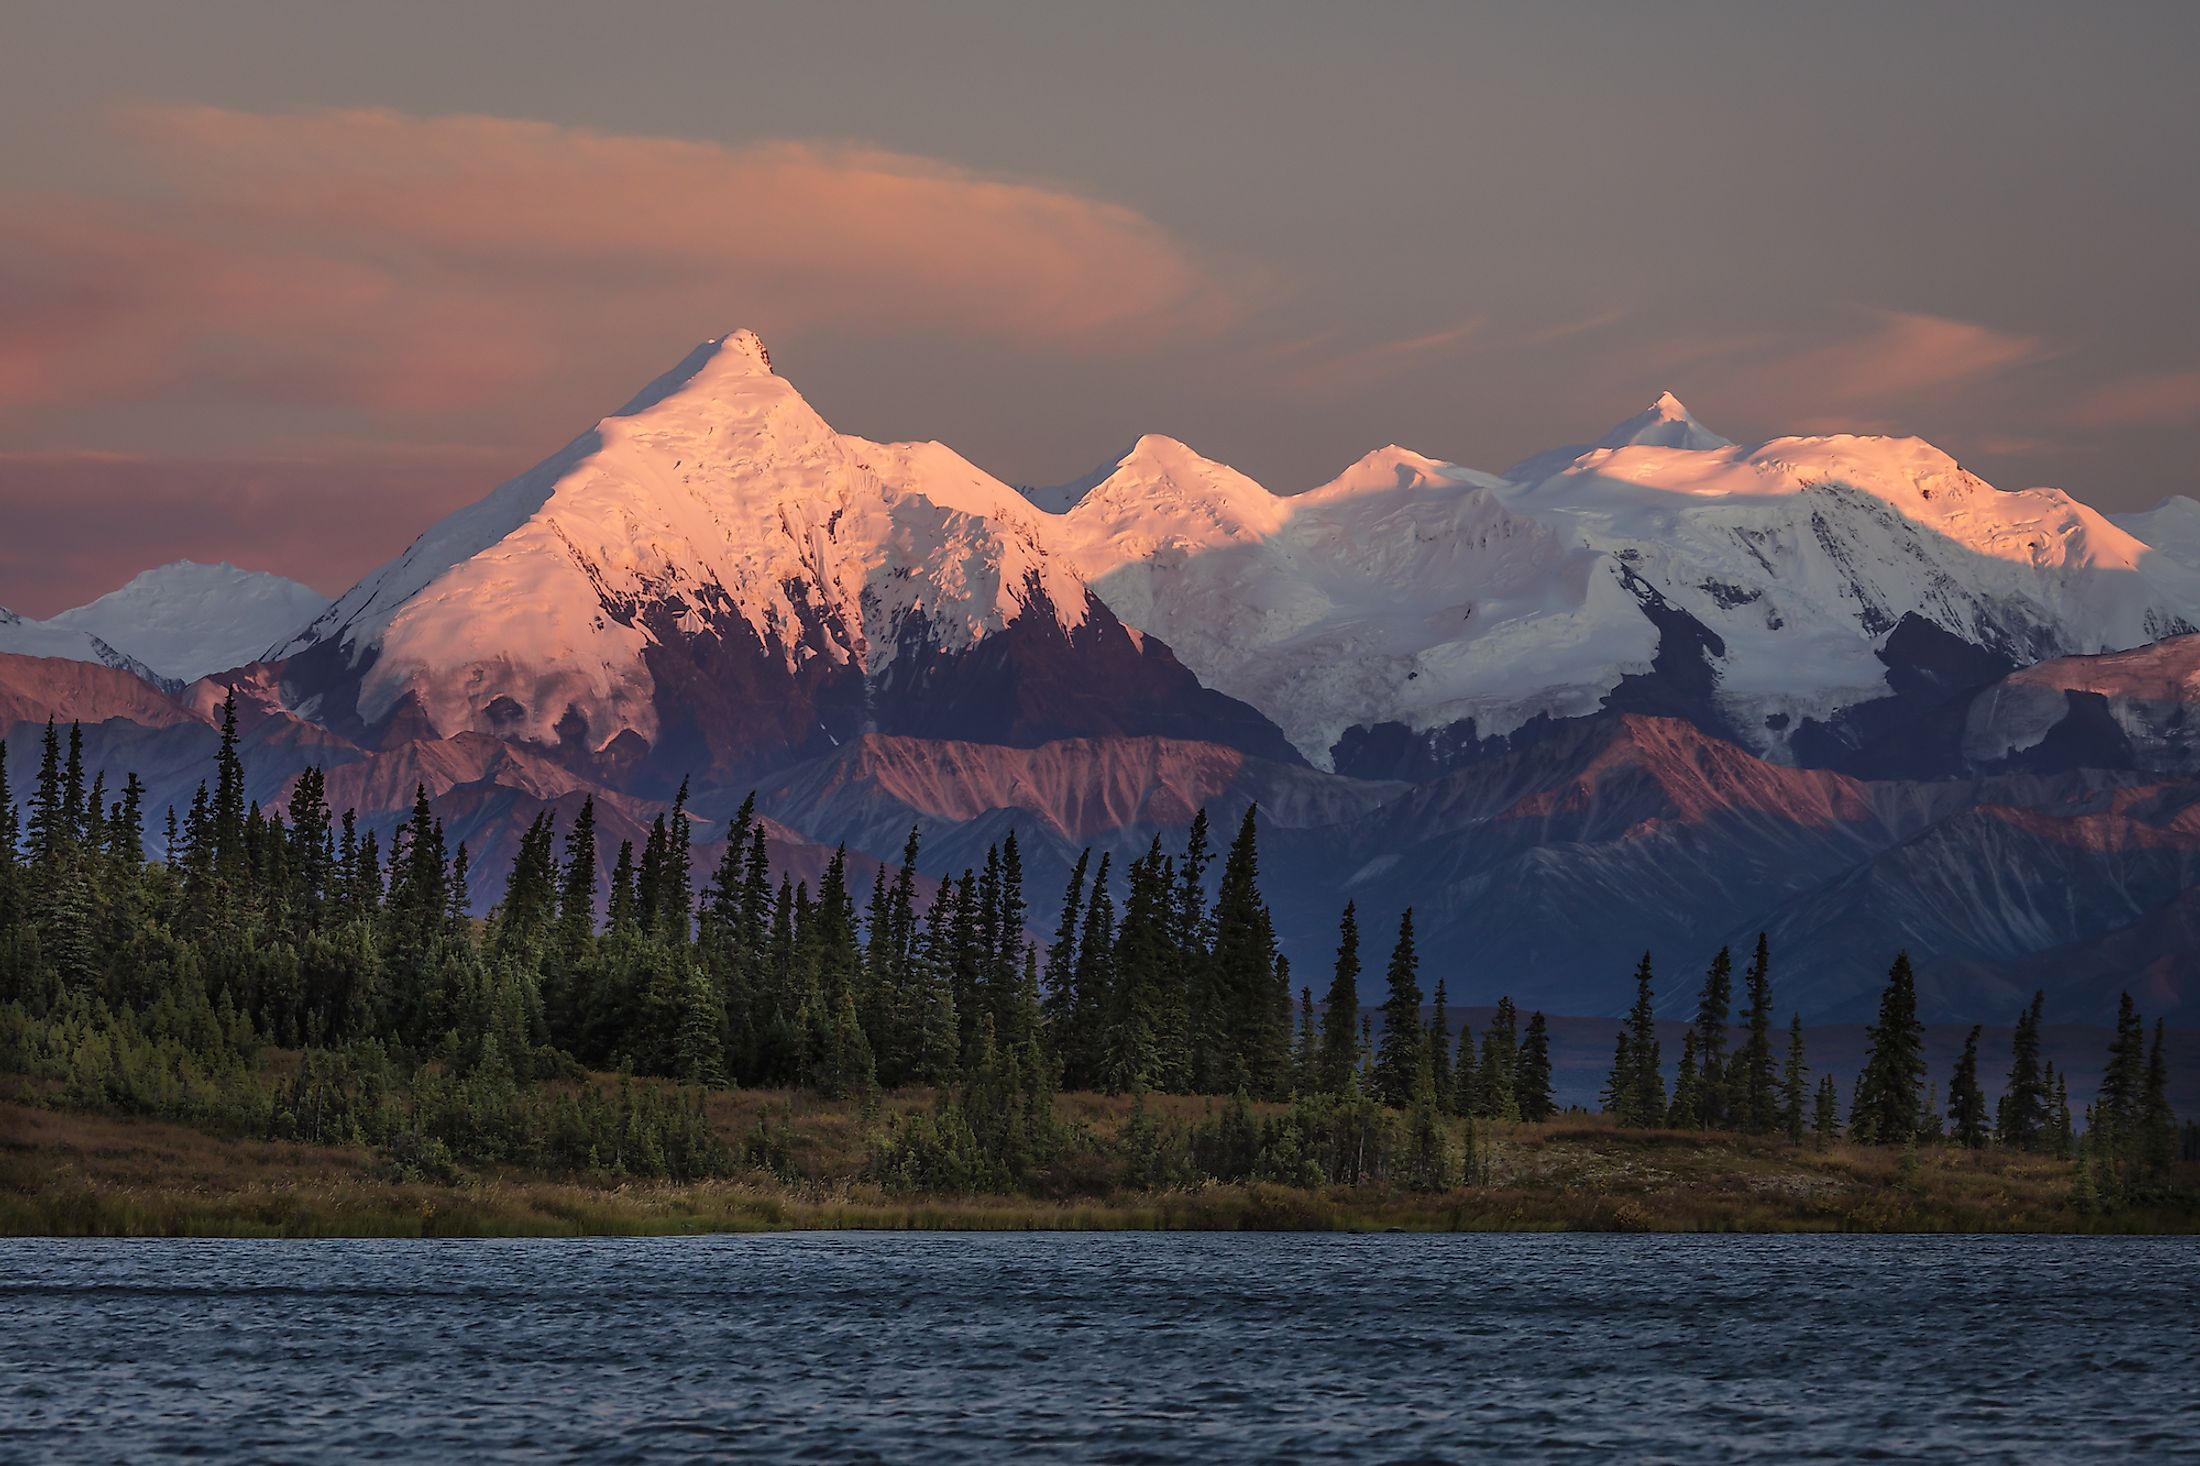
(2157, 1122)
(1402, 1063)
(1439, 1041)
(1240, 1038)
(1084, 1051)
(1825, 1116)
(2021, 1117)
(1340, 1056)
(1061, 966)
(1532, 1080)
(1643, 1090)
(1714, 1005)
(1890, 1090)
(1795, 1084)
(1306, 1050)
(1496, 1088)
(577, 891)
(1966, 1101)
(2115, 1129)
(1752, 1099)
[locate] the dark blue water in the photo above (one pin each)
(1211, 1349)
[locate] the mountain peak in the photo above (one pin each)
(1665, 423)
(743, 349)
(721, 363)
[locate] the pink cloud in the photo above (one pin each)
(1906, 352)
(372, 260)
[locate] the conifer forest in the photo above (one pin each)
(279, 973)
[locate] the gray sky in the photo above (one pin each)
(282, 282)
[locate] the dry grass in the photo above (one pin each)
(77, 1174)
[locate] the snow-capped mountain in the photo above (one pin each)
(187, 620)
(1754, 588)
(1658, 689)
(713, 575)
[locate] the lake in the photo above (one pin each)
(1142, 1348)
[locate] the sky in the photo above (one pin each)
(282, 283)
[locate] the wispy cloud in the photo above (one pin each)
(398, 263)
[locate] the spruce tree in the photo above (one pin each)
(2157, 1122)
(1466, 1075)
(1496, 1093)
(1687, 1108)
(1966, 1101)
(1707, 1105)
(1825, 1118)
(1532, 1079)
(1618, 1096)
(1238, 1038)
(2022, 1114)
(1645, 1107)
(2115, 1129)
(1439, 1042)
(1889, 1095)
(1795, 1084)
(1754, 1103)
(1340, 1056)
(2059, 1137)
(1306, 1049)
(1061, 966)
(1402, 1059)
(1094, 985)
(577, 889)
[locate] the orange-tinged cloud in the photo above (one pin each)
(1901, 367)
(371, 259)
(1909, 352)
(2154, 399)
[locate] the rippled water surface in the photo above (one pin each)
(1115, 1348)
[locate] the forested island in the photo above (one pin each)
(279, 1025)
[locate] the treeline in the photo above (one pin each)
(162, 987)
(165, 986)
(2129, 1141)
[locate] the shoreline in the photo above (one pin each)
(81, 1175)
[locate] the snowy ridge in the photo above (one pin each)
(2171, 529)
(716, 502)
(24, 637)
(1416, 592)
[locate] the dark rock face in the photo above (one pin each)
(1682, 683)
(1033, 683)
(1916, 731)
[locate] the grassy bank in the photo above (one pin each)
(74, 1174)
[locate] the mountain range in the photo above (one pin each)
(1656, 690)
